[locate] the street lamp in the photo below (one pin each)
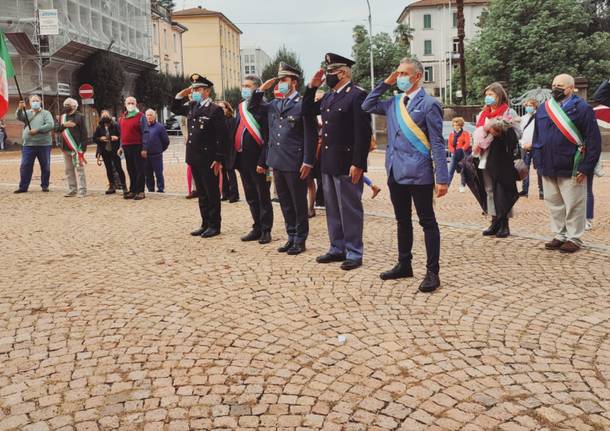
(371, 61)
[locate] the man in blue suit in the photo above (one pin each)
(346, 140)
(290, 152)
(415, 164)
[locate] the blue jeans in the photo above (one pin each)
(457, 157)
(590, 198)
(527, 159)
(154, 170)
(28, 155)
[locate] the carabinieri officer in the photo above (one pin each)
(346, 140)
(290, 152)
(208, 140)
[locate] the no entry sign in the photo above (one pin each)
(85, 91)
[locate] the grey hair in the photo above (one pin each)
(153, 111)
(255, 79)
(413, 62)
(72, 102)
(34, 95)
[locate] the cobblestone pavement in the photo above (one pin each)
(113, 317)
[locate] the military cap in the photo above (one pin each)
(333, 61)
(287, 70)
(200, 81)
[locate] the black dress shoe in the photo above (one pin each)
(503, 230)
(110, 191)
(296, 249)
(329, 257)
(351, 264)
(128, 195)
(45, 190)
(523, 193)
(493, 228)
(400, 270)
(430, 283)
(20, 191)
(210, 232)
(253, 235)
(265, 238)
(199, 231)
(233, 200)
(285, 247)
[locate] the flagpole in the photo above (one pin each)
(25, 114)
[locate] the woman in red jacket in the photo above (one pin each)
(459, 147)
(134, 133)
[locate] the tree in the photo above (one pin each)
(105, 73)
(525, 43)
(289, 57)
(153, 90)
(233, 96)
(462, 61)
(167, 4)
(387, 53)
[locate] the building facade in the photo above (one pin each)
(211, 47)
(167, 41)
(253, 61)
(434, 43)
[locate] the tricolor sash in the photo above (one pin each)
(568, 129)
(409, 128)
(249, 123)
(78, 157)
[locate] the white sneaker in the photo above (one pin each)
(70, 195)
(589, 224)
(599, 169)
(462, 189)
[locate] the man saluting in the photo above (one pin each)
(207, 142)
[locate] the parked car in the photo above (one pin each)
(172, 125)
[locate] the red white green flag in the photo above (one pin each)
(6, 73)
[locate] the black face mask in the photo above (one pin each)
(105, 120)
(558, 94)
(332, 80)
(67, 109)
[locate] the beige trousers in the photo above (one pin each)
(567, 203)
(71, 173)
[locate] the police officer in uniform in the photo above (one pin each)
(208, 140)
(346, 140)
(290, 152)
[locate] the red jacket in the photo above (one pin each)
(462, 143)
(134, 130)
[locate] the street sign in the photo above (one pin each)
(48, 21)
(63, 89)
(85, 91)
(88, 102)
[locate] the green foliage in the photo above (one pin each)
(105, 73)
(525, 43)
(233, 96)
(271, 69)
(387, 53)
(167, 4)
(153, 90)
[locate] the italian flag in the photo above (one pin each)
(6, 73)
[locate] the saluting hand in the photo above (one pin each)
(317, 79)
(269, 84)
(216, 167)
(184, 93)
(391, 80)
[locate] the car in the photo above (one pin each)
(172, 125)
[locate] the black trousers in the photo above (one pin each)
(258, 196)
(208, 194)
(230, 190)
(112, 163)
(422, 197)
(136, 166)
(292, 193)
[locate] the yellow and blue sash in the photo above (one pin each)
(409, 128)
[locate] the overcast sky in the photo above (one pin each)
(309, 41)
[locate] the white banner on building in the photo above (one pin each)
(48, 21)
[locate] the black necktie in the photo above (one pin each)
(407, 101)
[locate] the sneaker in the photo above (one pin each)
(589, 224)
(70, 195)
(462, 189)
(81, 195)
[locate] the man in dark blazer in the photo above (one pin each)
(248, 141)
(415, 163)
(208, 139)
(346, 140)
(290, 152)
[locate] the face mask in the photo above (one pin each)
(457, 129)
(106, 120)
(490, 100)
(35, 105)
(131, 107)
(558, 94)
(246, 93)
(403, 83)
(196, 96)
(332, 80)
(67, 109)
(529, 109)
(284, 88)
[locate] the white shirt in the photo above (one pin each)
(411, 96)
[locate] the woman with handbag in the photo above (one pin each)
(496, 140)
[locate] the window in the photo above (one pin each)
(428, 74)
(427, 47)
(155, 37)
(247, 69)
(253, 69)
(456, 46)
(175, 43)
(165, 38)
(427, 21)
(454, 19)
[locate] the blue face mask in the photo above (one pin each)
(246, 93)
(403, 83)
(529, 109)
(284, 88)
(196, 96)
(490, 100)
(35, 106)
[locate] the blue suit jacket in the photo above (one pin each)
(292, 133)
(402, 160)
